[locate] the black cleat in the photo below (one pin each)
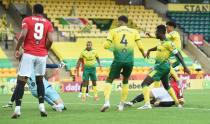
(15, 116)
(43, 114)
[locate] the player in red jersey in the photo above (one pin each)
(160, 97)
(36, 37)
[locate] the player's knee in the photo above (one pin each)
(85, 84)
(39, 79)
(147, 81)
(167, 87)
(125, 81)
(94, 83)
(22, 79)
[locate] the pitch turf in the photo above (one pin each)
(195, 111)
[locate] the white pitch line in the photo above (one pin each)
(115, 105)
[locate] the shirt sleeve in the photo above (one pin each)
(25, 23)
(138, 40)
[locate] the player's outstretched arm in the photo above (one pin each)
(180, 58)
(52, 66)
(149, 35)
(150, 50)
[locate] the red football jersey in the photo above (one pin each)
(178, 91)
(36, 38)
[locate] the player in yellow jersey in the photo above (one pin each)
(89, 56)
(162, 67)
(173, 36)
(121, 42)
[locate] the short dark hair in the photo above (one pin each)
(161, 29)
(171, 23)
(123, 18)
(38, 9)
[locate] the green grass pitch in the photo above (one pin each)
(196, 111)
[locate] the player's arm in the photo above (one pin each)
(108, 43)
(149, 35)
(99, 63)
(22, 37)
(172, 48)
(49, 37)
(80, 60)
(150, 50)
(140, 47)
(61, 65)
(180, 58)
(139, 43)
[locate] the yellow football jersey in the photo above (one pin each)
(164, 51)
(121, 41)
(89, 57)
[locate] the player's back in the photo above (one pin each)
(123, 39)
(35, 41)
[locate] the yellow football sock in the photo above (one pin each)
(124, 93)
(174, 74)
(157, 84)
(173, 95)
(84, 91)
(146, 94)
(95, 91)
(107, 91)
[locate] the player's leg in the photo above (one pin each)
(10, 103)
(21, 81)
(146, 91)
(85, 78)
(52, 95)
(113, 74)
(174, 74)
(127, 70)
(40, 69)
(165, 80)
(140, 98)
(80, 91)
(93, 78)
(25, 70)
(164, 104)
(135, 100)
